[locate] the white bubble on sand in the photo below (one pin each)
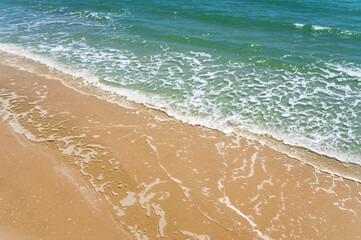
(195, 236)
(129, 200)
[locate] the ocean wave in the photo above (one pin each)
(47, 8)
(242, 21)
(331, 30)
(47, 61)
(88, 14)
(353, 70)
(201, 111)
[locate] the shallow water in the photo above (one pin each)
(291, 70)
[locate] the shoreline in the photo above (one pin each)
(322, 162)
(149, 168)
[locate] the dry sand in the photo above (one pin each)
(105, 166)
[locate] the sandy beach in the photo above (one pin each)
(42, 198)
(74, 166)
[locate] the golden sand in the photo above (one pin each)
(153, 176)
(42, 197)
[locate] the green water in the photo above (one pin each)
(290, 69)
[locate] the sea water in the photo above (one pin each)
(286, 69)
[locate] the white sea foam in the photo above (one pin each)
(138, 233)
(226, 201)
(354, 71)
(195, 236)
(88, 14)
(315, 27)
(161, 213)
(28, 53)
(299, 25)
(129, 200)
(213, 118)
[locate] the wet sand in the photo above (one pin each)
(42, 197)
(156, 177)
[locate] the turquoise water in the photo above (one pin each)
(289, 69)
